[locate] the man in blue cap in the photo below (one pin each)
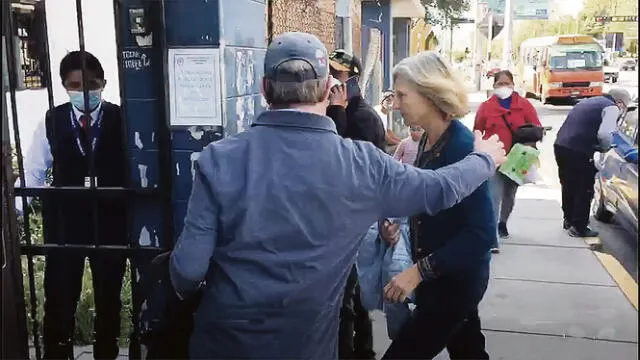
(277, 213)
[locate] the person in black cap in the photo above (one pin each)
(355, 119)
(277, 213)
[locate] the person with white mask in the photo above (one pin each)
(71, 137)
(501, 114)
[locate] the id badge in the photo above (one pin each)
(87, 181)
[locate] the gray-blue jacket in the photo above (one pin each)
(273, 225)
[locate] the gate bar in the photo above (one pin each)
(85, 93)
(47, 56)
(11, 68)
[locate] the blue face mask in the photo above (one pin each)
(77, 99)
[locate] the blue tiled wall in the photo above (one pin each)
(377, 15)
(238, 28)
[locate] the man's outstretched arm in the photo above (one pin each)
(192, 254)
(407, 190)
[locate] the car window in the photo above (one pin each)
(629, 126)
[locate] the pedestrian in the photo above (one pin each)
(354, 117)
(450, 249)
(407, 150)
(278, 212)
(386, 115)
(501, 114)
(357, 120)
(70, 134)
(587, 129)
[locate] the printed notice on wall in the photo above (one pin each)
(194, 87)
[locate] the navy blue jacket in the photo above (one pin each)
(274, 221)
(458, 238)
(579, 132)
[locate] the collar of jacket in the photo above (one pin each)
(295, 119)
(515, 101)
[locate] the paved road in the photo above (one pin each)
(616, 241)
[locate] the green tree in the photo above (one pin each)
(438, 12)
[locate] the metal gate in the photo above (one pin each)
(137, 255)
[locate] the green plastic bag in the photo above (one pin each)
(520, 160)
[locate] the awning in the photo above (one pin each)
(407, 9)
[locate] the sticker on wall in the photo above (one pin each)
(194, 87)
(136, 21)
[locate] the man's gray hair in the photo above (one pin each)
(619, 94)
(286, 93)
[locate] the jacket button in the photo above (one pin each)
(419, 222)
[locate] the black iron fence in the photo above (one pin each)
(63, 196)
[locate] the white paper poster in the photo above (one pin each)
(194, 87)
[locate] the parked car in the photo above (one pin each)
(628, 64)
(616, 186)
(611, 74)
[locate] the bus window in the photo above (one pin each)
(577, 59)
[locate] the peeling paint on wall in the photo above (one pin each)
(196, 132)
(144, 182)
(194, 157)
(240, 114)
(245, 70)
(144, 239)
(138, 141)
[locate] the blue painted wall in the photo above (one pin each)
(377, 15)
(198, 24)
(400, 39)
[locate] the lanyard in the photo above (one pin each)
(95, 131)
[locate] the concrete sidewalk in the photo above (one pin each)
(550, 297)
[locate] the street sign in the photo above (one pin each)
(462, 21)
(530, 9)
(522, 9)
(602, 19)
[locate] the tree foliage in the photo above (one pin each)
(439, 12)
(593, 8)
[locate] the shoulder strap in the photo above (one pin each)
(504, 118)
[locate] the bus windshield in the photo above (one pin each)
(575, 59)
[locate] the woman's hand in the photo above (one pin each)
(403, 284)
(389, 232)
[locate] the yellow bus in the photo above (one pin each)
(561, 67)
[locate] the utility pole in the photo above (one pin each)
(451, 39)
(477, 71)
(508, 32)
(345, 25)
(489, 36)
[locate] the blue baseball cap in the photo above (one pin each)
(296, 46)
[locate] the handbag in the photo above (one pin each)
(526, 134)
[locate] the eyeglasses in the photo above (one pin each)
(415, 129)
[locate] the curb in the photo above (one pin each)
(620, 276)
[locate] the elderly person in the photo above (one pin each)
(277, 213)
(451, 249)
(587, 129)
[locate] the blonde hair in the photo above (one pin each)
(434, 79)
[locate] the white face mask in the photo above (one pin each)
(503, 92)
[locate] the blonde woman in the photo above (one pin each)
(451, 249)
